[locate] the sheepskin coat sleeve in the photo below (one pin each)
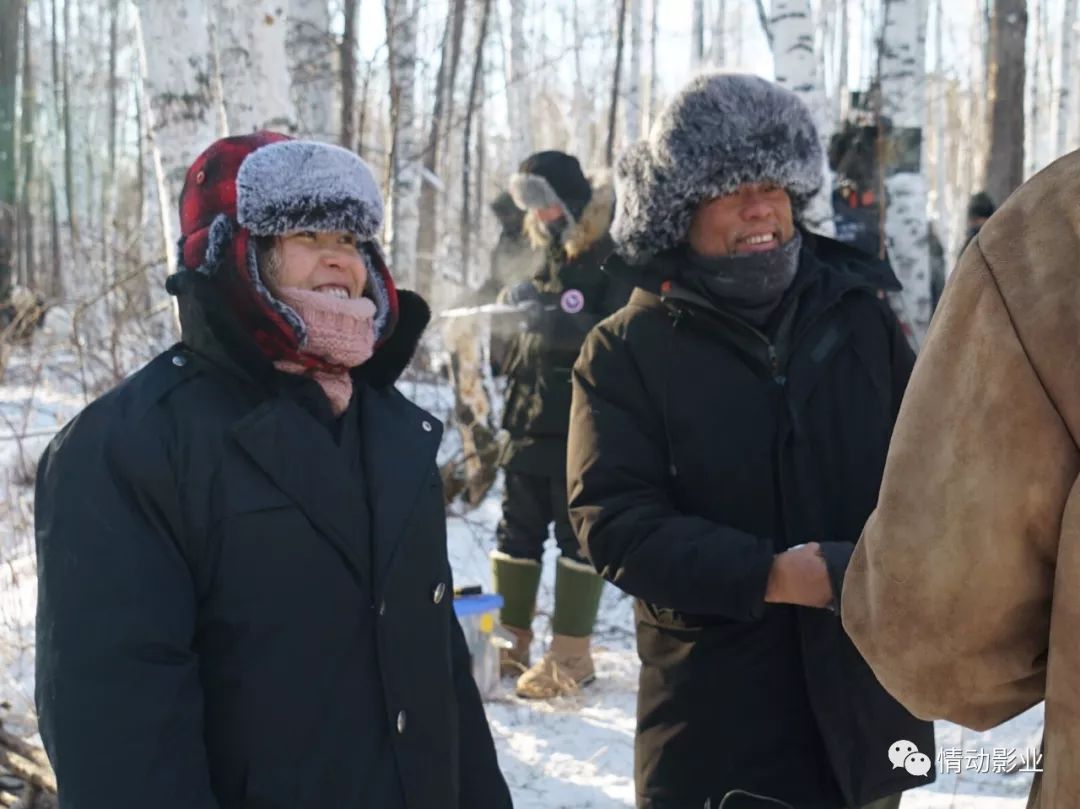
(962, 591)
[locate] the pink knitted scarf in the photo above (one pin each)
(339, 330)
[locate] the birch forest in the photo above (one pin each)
(104, 103)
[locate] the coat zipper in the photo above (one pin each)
(774, 358)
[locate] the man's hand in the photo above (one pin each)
(799, 576)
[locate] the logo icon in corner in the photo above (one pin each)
(904, 754)
(572, 301)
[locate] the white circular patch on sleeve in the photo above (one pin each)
(572, 301)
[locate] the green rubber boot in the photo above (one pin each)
(568, 664)
(517, 581)
(577, 598)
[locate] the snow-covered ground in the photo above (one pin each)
(574, 752)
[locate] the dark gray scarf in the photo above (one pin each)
(750, 286)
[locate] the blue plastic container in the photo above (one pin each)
(479, 618)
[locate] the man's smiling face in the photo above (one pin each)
(756, 218)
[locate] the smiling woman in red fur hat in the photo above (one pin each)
(244, 591)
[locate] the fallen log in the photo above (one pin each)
(30, 765)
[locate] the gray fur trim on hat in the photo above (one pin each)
(290, 315)
(375, 288)
(218, 240)
(533, 192)
(305, 185)
(722, 131)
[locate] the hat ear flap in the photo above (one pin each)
(381, 289)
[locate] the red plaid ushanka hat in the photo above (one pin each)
(266, 184)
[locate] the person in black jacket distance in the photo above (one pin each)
(727, 437)
(244, 592)
(567, 219)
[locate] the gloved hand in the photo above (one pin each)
(519, 293)
(531, 302)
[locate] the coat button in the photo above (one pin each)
(440, 591)
(427, 426)
(401, 722)
(179, 360)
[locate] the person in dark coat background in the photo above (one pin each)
(513, 259)
(980, 208)
(568, 218)
(244, 592)
(728, 432)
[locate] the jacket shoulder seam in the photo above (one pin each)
(1019, 338)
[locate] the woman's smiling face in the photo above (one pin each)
(321, 261)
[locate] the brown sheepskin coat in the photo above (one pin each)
(963, 593)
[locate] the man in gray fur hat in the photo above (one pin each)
(728, 431)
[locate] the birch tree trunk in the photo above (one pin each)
(309, 46)
(467, 339)
(109, 190)
(69, 147)
(56, 278)
(798, 69)
(467, 224)
(763, 17)
(609, 153)
(697, 34)
(54, 48)
(10, 17)
(583, 110)
(940, 123)
(903, 99)
(441, 120)
(632, 93)
(1044, 135)
(519, 95)
(717, 51)
(1033, 111)
(840, 99)
(254, 68)
(1005, 163)
(114, 42)
(1065, 89)
(654, 76)
(28, 157)
(179, 98)
(347, 126)
(403, 218)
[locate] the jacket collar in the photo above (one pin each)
(298, 454)
(295, 449)
(850, 266)
(832, 267)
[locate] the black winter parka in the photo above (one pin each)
(700, 447)
(245, 603)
